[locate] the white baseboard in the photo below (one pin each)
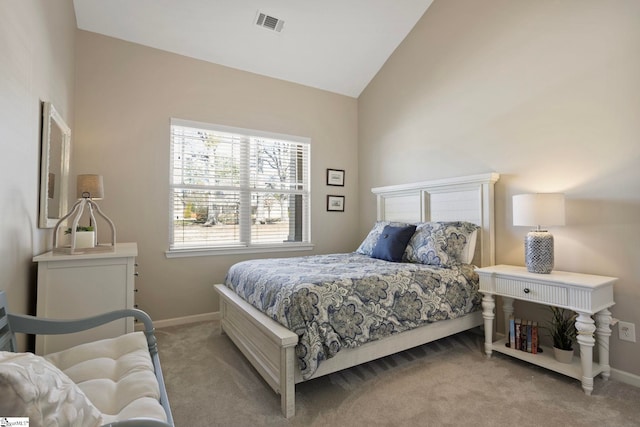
(204, 317)
(625, 377)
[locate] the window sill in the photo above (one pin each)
(239, 250)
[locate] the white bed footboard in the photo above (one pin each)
(269, 346)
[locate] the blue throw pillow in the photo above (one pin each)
(392, 242)
(366, 247)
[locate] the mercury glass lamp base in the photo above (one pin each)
(538, 249)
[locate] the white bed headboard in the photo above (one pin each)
(466, 198)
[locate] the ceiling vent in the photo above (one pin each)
(269, 22)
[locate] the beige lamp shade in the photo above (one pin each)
(541, 209)
(90, 186)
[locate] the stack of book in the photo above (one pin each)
(523, 335)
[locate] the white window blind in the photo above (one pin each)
(237, 188)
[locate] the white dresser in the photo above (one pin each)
(586, 294)
(74, 286)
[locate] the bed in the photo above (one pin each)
(276, 351)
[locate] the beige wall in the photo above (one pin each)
(37, 40)
(126, 95)
(546, 93)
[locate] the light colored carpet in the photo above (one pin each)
(445, 383)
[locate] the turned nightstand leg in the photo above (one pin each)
(488, 305)
(586, 327)
(507, 309)
(603, 332)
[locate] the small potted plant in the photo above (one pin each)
(562, 328)
(85, 236)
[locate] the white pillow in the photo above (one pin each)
(32, 387)
(466, 257)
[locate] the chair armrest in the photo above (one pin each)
(45, 326)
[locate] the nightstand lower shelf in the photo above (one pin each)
(546, 360)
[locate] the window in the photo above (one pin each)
(237, 190)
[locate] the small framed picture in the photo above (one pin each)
(335, 177)
(335, 203)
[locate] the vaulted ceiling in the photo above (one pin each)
(334, 45)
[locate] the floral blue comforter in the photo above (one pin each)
(344, 300)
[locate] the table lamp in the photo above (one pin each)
(539, 210)
(89, 187)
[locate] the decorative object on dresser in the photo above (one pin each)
(585, 294)
(541, 209)
(85, 236)
(89, 188)
(81, 285)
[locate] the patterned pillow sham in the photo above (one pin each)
(32, 387)
(442, 243)
(367, 245)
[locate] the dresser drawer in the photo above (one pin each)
(529, 291)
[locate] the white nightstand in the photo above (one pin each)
(585, 294)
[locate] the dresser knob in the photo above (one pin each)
(526, 290)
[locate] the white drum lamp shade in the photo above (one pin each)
(539, 210)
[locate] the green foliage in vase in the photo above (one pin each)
(79, 228)
(562, 327)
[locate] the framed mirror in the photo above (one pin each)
(54, 167)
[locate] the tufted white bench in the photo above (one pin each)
(111, 382)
